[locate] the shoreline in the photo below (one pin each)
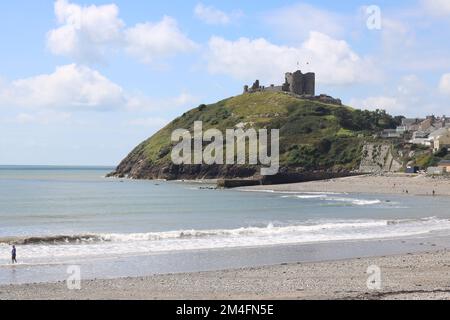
(406, 276)
(278, 272)
(197, 261)
(388, 184)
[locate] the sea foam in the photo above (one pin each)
(117, 244)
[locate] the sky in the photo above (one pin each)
(83, 82)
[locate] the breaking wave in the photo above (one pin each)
(334, 198)
(56, 239)
(63, 248)
(308, 231)
(330, 197)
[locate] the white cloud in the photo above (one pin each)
(411, 97)
(298, 20)
(149, 122)
(391, 104)
(139, 102)
(410, 85)
(397, 34)
(68, 87)
(184, 99)
(148, 41)
(43, 117)
(214, 16)
(77, 88)
(85, 33)
(89, 33)
(334, 62)
(444, 84)
(436, 7)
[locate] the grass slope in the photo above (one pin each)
(313, 135)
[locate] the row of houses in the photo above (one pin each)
(442, 168)
(433, 132)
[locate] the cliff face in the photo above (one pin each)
(379, 157)
(314, 137)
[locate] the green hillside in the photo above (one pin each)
(313, 135)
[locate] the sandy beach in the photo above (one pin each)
(410, 276)
(375, 184)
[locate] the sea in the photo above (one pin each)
(60, 217)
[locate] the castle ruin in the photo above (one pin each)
(301, 84)
(295, 83)
(298, 84)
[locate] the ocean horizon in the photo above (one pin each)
(53, 166)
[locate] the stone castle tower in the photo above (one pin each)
(296, 83)
(301, 84)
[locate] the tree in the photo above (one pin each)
(441, 153)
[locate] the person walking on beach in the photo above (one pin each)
(13, 255)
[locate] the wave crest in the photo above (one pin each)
(329, 228)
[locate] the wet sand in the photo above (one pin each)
(375, 184)
(410, 276)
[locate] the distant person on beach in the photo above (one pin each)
(13, 255)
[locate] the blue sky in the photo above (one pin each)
(83, 82)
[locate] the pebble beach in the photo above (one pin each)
(409, 276)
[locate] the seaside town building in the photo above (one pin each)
(433, 132)
(444, 165)
(435, 170)
(442, 140)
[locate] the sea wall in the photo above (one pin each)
(284, 178)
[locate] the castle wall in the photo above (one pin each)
(274, 89)
(309, 86)
(296, 83)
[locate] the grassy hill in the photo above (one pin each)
(313, 136)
